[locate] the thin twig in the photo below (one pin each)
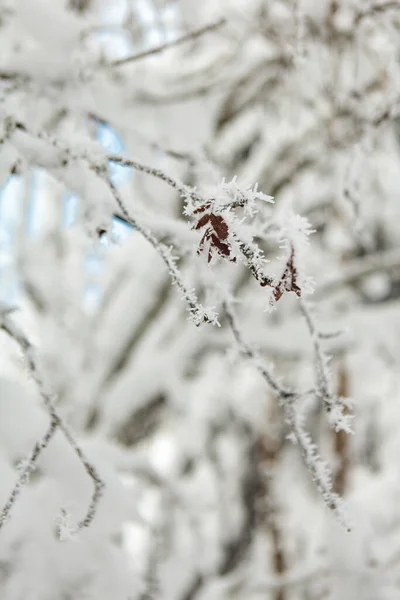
(29, 353)
(251, 354)
(323, 387)
(157, 49)
(252, 257)
(288, 400)
(198, 313)
(180, 187)
(30, 465)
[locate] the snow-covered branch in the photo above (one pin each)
(131, 138)
(290, 401)
(26, 468)
(198, 314)
(335, 407)
(29, 352)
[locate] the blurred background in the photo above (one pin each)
(207, 497)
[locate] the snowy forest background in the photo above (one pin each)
(199, 287)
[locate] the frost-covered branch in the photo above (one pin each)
(57, 422)
(281, 96)
(98, 165)
(323, 383)
(253, 356)
(183, 190)
(334, 406)
(223, 229)
(26, 468)
(197, 312)
(317, 468)
(289, 401)
(210, 211)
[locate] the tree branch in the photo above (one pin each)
(334, 406)
(27, 469)
(288, 400)
(29, 353)
(180, 187)
(198, 313)
(192, 35)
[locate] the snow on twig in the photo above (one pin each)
(29, 352)
(97, 161)
(334, 406)
(253, 356)
(289, 400)
(28, 466)
(183, 189)
(98, 164)
(198, 314)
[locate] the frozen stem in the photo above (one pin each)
(29, 466)
(334, 406)
(288, 400)
(321, 360)
(29, 353)
(197, 312)
(184, 190)
(192, 35)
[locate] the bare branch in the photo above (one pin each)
(180, 187)
(158, 49)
